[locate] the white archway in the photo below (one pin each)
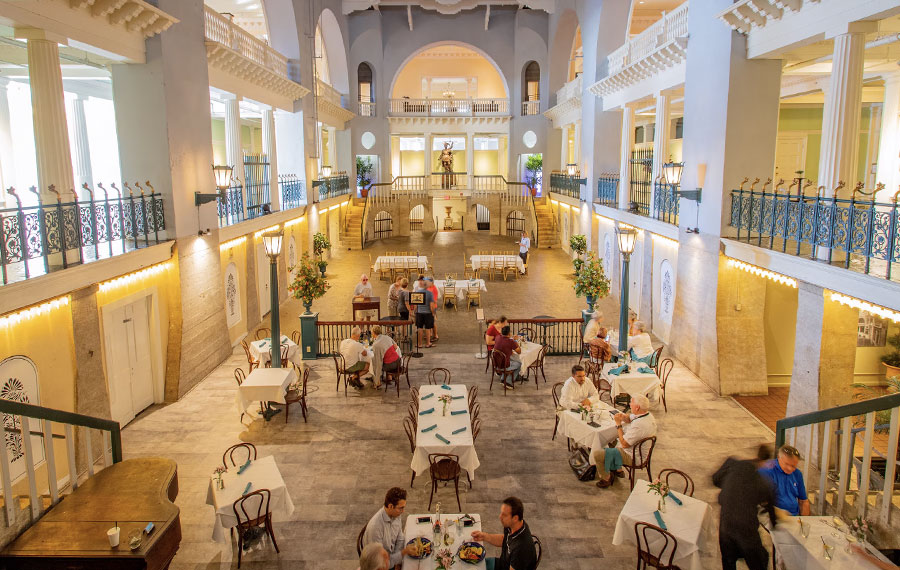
(465, 45)
(333, 42)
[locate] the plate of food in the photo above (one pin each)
(422, 546)
(471, 552)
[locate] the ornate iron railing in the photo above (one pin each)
(838, 230)
(331, 333)
(230, 204)
(256, 176)
(665, 202)
(565, 185)
(562, 335)
(608, 189)
(640, 186)
(73, 231)
(334, 186)
(293, 194)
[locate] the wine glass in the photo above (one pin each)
(827, 550)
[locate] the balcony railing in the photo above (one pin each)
(564, 184)
(449, 107)
(665, 202)
(568, 91)
(447, 180)
(330, 334)
(671, 27)
(640, 184)
(221, 29)
(531, 108)
(862, 235)
(366, 109)
(563, 336)
(293, 194)
(329, 93)
(608, 189)
(334, 186)
(75, 231)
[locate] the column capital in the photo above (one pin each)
(39, 34)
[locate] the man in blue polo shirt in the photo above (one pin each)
(787, 480)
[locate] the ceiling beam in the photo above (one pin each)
(487, 17)
(409, 16)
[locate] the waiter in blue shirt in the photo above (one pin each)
(524, 245)
(787, 481)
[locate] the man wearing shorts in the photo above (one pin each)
(424, 312)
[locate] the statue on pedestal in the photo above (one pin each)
(447, 165)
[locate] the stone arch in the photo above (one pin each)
(416, 217)
(335, 47)
(474, 48)
(515, 223)
(384, 225)
(531, 75)
(561, 49)
(365, 74)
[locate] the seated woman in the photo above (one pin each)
(493, 331)
(639, 340)
(600, 349)
(385, 354)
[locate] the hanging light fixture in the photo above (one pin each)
(223, 176)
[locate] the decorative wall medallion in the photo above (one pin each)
(607, 254)
(19, 383)
(232, 295)
(666, 291)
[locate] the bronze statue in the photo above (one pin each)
(447, 165)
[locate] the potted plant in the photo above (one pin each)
(591, 281)
(534, 166)
(891, 360)
(578, 245)
(322, 265)
(307, 284)
(364, 168)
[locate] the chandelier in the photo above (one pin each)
(449, 93)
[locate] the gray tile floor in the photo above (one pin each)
(339, 464)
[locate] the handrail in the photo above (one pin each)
(536, 233)
(362, 223)
(848, 410)
(222, 30)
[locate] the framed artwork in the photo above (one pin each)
(871, 330)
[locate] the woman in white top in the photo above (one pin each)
(639, 340)
(590, 330)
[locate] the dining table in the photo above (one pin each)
(530, 353)
(461, 286)
(488, 261)
(439, 433)
(691, 523)
(264, 385)
(634, 382)
(809, 553)
(261, 473)
(399, 262)
(261, 350)
(593, 432)
(457, 534)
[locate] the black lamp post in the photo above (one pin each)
(272, 241)
(626, 236)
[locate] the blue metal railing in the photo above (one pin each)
(608, 189)
(293, 193)
(230, 204)
(334, 186)
(564, 184)
(665, 202)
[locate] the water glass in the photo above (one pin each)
(827, 551)
(804, 529)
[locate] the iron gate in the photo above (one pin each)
(482, 217)
(416, 218)
(641, 188)
(256, 178)
(515, 223)
(384, 225)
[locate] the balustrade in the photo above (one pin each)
(670, 27)
(608, 189)
(449, 107)
(564, 184)
(222, 30)
(292, 191)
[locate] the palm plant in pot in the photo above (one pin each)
(364, 168)
(307, 285)
(591, 281)
(320, 244)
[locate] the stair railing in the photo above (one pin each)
(362, 222)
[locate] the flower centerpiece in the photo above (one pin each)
(583, 411)
(307, 285)
(444, 559)
(446, 401)
(661, 489)
(859, 527)
(218, 476)
(591, 281)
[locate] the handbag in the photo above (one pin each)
(581, 465)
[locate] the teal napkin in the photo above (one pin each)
(442, 438)
(445, 387)
(429, 428)
(428, 411)
(460, 430)
(244, 467)
(457, 412)
(676, 499)
(268, 339)
(426, 397)
(645, 370)
(659, 520)
(247, 488)
(618, 370)
(457, 397)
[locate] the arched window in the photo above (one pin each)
(366, 89)
(531, 88)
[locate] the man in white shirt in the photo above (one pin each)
(364, 289)
(354, 352)
(640, 341)
(590, 330)
(524, 245)
(385, 528)
(630, 429)
(577, 391)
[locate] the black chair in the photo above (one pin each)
(262, 333)
(500, 367)
(665, 546)
(641, 459)
(410, 427)
(297, 396)
(688, 482)
(359, 540)
(444, 468)
(258, 502)
(556, 391)
(438, 376)
(539, 550)
(229, 454)
(663, 371)
(538, 366)
(340, 369)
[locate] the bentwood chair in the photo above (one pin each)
(643, 452)
(473, 396)
(264, 332)
(241, 447)
(414, 394)
(661, 554)
(250, 360)
(468, 270)
(538, 366)
(538, 550)
(475, 411)
(556, 391)
(412, 409)
(476, 429)
(340, 369)
(295, 336)
(529, 333)
(410, 427)
(654, 359)
(404, 371)
(438, 376)
(444, 468)
(359, 540)
(297, 396)
(500, 368)
(665, 474)
(254, 512)
(665, 368)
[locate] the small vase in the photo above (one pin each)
(661, 506)
(221, 483)
(445, 410)
(307, 305)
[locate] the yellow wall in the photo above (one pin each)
(412, 163)
(780, 323)
(409, 80)
(487, 162)
(868, 367)
(459, 161)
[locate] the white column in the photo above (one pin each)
(470, 162)
(81, 154)
(888, 163)
(268, 144)
(625, 157)
(234, 153)
(840, 121)
(429, 163)
(51, 133)
(7, 157)
(660, 139)
(564, 149)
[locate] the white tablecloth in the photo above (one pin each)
(262, 350)
(530, 352)
(808, 553)
(264, 385)
(594, 438)
(462, 286)
(399, 261)
(264, 474)
(632, 382)
(461, 444)
(478, 260)
(415, 528)
(691, 523)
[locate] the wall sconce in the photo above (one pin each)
(326, 171)
(223, 182)
(571, 170)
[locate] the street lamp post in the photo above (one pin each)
(272, 241)
(626, 236)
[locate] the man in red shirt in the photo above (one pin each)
(429, 284)
(508, 346)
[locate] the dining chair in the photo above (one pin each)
(538, 550)
(297, 396)
(389, 377)
(295, 337)
(509, 266)
(410, 427)
(485, 266)
(450, 276)
(601, 384)
(239, 375)
(585, 351)
(250, 360)
(500, 367)
(473, 395)
(595, 359)
(468, 270)
(229, 454)
(538, 366)
(386, 268)
(359, 540)
(258, 503)
(340, 369)
(444, 468)
(665, 368)
(473, 295)
(476, 429)
(412, 409)
(263, 332)
(450, 297)
(404, 370)
(665, 474)
(498, 264)
(529, 333)
(284, 358)
(475, 411)
(556, 391)
(438, 376)
(664, 543)
(654, 359)
(414, 394)
(412, 266)
(642, 456)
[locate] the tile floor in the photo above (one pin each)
(767, 409)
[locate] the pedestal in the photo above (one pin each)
(309, 336)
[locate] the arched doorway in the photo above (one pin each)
(384, 225)
(416, 218)
(515, 223)
(482, 218)
(531, 88)
(365, 83)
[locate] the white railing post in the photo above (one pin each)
(70, 452)
(824, 460)
(890, 468)
(8, 498)
(862, 499)
(29, 466)
(50, 459)
(844, 465)
(90, 451)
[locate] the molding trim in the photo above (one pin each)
(449, 121)
(230, 70)
(565, 113)
(665, 57)
(332, 114)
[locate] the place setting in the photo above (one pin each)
(442, 541)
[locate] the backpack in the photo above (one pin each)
(581, 465)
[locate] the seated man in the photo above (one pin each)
(385, 354)
(353, 352)
(639, 340)
(386, 529)
(630, 429)
(787, 480)
(516, 545)
(374, 557)
(577, 391)
(505, 344)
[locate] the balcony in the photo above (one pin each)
(531, 108)
(570, 90)
(482, 107)
(568, 104)
(366, 109)
(562, 183)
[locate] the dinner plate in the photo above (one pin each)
(426, 551)
(465, 545)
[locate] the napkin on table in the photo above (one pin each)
(247, 488)
(645, 370)
(244, 467)
(456, 397)
(427, 396)
(428, 411)
(460, 430)
(676, 499)
(457, 412)
(442, 438)
(429, 428)
(659, 520)
(618, 370)
(445, 387)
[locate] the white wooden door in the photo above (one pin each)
(129, 361)
(262, 280)
(790, 156)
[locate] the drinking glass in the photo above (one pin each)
(804, 529)
(827, 551)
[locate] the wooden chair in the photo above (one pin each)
(498, 264)
(429, 267)
(239, 375)
(485, 266)
(264, 332)
(529, 333)
(340, 369)
(585, 351)
(665, 368)
(601, 384)
(654, 359)
(450, 276)
(229, 454)
(509, 266)
(412, 409)
(359, 540)
(404, 371)
(438, 376)
(414, 394)
(688, 482)
(410, 427)
(595, 360)
(473, 295)
(538, 366)
(665, 544)
(556, 392)
(389, 377)
(450, 297)
(250, 360)
(468, 270)
(258, 515)
(412, 266)
(284, 358)
(475, 411)
(538, 549)
(500, 367)
(473, 395)
(297, 396)
(444, 468)
(642, 457)
(386, 267)
(476, 429)
(295, 336)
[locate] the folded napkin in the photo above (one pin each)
(659, 520)
(442, 438)
(676, 499)
(244, 467)
(427, 396)
(645, 370)
(457, 412)
(429, 428)
(618, 370)
(428, 411)
(445, 387)
(457, 397)
(247, 488)
(460, 430)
